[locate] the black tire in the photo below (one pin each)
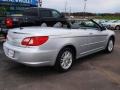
(110, 46)
(58, 64)
(117, 27)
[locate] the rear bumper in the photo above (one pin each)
(30, 56)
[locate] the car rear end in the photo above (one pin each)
(9, 23)
(29, 49)
(15, 21)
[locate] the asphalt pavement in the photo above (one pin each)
(99, 71)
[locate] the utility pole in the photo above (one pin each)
(39, 6)
(66, 6)
(84, 10)
(70, 11)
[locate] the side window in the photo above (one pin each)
(45, 13)
(55, 14)
(30, 12)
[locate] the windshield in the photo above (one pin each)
(83, 24)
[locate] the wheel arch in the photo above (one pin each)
(71, 47)
(57, 62)
(112, 37)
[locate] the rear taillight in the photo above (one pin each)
(34, 41)
(9, 22)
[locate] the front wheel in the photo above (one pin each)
(64, 60)
(110, 46)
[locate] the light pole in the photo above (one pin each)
(39, 3)
(84, 10)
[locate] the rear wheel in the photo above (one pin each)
(117, 28)
(110, 46)
(64, 60)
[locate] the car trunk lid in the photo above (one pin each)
(15, 36)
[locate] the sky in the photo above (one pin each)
(94, 6)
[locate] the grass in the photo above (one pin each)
(109, 17)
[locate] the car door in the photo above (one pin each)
(85, 39)
(98, 39)
(91, 38)
(85, 42)
(98, 36)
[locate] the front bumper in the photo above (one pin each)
(30, 56)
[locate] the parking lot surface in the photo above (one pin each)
(99, 71)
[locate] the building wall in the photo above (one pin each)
(8, 7)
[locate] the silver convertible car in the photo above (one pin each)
(59, 47)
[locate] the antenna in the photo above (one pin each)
(84, 10)
(70, 11)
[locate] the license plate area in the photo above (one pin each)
(11, 53)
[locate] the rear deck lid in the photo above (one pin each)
(15, 38)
